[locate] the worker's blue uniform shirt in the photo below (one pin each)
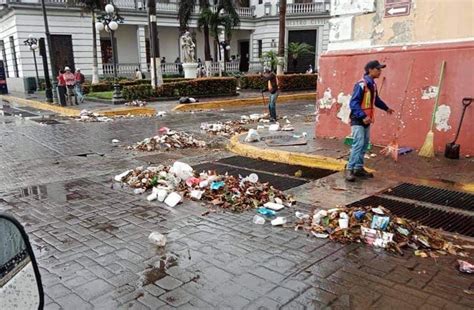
(357, 114)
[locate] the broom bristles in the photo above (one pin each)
(427, 150)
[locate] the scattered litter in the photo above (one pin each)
(136, 103)
(89, 116)
(152, 196)
(257, 219)
(138, 191)
(273, 206)
(287, 127)
(379, 228)
(274, 127)
(115, 141)
(232, 127)
(225, 191)
(252, 136)
(168, 139)
(157, 239)
(301, 215)
(266, 212)
(404, 150)
(173, 199)
(299, 174)
(319, 235)
(465, 266)
(279, 221)
(161, 114)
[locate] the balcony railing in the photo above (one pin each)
(123, 69)
(305, 8)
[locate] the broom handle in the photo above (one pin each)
(441, 76)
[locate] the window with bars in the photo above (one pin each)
(15, 62)
(4, 56)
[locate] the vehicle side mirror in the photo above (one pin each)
(20, 280)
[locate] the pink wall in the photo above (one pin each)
(340, 70)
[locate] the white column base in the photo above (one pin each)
(190, 70)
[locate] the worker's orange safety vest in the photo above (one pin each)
(367, 104)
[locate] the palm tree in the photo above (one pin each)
(91, 6)
(296, 49)
(281, 38)
(229, 18)
(271, 59)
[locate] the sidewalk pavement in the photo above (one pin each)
(332, 154)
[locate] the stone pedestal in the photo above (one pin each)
(190, 70)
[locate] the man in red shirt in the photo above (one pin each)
(70, 83)
(61, 88)
(78, 86)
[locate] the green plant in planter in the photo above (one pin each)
(270, 59)
(296, 49)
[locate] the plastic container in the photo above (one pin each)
(257, 219)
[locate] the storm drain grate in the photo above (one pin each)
(439, 196)
(278, 182)
(435, 218)
(269, 166)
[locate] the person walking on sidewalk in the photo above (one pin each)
(80, 79)
(272, 86)
(363, 102)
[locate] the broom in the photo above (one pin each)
(392, 148)
(427, 150)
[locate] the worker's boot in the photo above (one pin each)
(349, 175)
(362, 173)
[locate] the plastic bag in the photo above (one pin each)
(182, 170)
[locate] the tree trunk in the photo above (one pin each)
(207, 46)
(281, 38)
(95, 67)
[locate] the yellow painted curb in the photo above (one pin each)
(42, 105)
(220, 104)
(65, 111)
(292, 158)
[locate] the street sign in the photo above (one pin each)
(396, 8)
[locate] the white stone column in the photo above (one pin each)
(141, 48)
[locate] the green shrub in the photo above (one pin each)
(252, 82)
(199, 87)
(134, 92)
(289, 82)
(172, 80)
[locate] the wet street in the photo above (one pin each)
(90, 235)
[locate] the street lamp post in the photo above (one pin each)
(33, 44)
(109, 22)
(223, 46)
(51, 94)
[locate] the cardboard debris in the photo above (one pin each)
(168, 139)
(379, 228)
(232, 127)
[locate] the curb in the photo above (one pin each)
(64, 111)
(256, 101)
(285, 157)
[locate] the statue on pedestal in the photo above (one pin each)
(187, 48)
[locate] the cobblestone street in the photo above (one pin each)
(90, 235)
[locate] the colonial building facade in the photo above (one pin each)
(71, 34)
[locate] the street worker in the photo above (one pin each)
(363, 102)
(271, 86)
(80, 79)
(61, 88)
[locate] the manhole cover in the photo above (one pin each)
(439, 196)
(270, 166)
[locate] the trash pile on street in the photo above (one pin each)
(168, 139)
(379, 228)
(171, 184)
(136, 103)
(233, 127)
(88, 116)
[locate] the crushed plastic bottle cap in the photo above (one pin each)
(274, 206)
(266, 212)
(257, 219)
(301, 215)
(320, 235)
(173, 199)
(279, 221)
(217, 185)
(157, 239)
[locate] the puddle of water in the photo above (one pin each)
(58, 192)
(158, 271)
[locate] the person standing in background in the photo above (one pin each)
(80, 79)
(61, 88)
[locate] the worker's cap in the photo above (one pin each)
(374, 64)
(67, 69)
(78, 69)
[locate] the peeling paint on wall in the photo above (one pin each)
(342, 7)
(327, 101)
(345, 110)
(442, 118)
(340, 29)
(402, 32)
(429, 92)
